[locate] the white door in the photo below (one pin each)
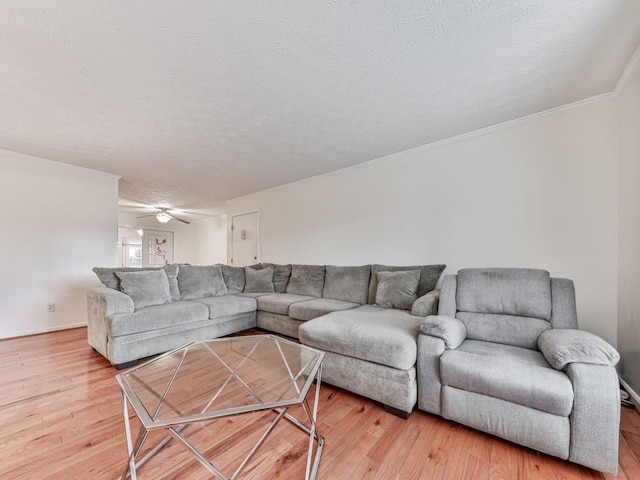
(244, 239)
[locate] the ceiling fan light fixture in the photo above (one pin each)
(163, 217)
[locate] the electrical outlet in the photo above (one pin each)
(51, 307)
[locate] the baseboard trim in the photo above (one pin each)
(631, 392)
(46, 330)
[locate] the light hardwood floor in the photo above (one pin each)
(61, 418)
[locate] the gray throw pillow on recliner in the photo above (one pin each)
(397, 289)
(146, 288)
(306, 280)
(258, 281)
(196, 281)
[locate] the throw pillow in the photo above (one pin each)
(233, 278)
(258, 281)
(306, 280)
(397, 289)
(197, 281)
(146, 288)
(429, 275)
(108, 277)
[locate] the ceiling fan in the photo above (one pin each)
(163, 216)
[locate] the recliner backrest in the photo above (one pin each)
(511, 306)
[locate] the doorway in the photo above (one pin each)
(138, 247)
(244, 239)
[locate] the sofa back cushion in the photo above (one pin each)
(146, 288)
(397, 289)
(109, 278)
(258, 281)
(429, 275)
(349, 284)
(195, 281)
(172, 276)
(511, 306)
(281, 275)
(233, 278)
(306, 280)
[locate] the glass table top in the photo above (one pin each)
(220, 377)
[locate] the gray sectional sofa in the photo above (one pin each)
(139, 313)
(502, 355)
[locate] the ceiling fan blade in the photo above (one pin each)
(179, 219)
(149, 215)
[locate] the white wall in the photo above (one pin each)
(211, 240)
(58, 221)
(539, 192)
(629, 216)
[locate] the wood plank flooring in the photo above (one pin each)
(61, 418)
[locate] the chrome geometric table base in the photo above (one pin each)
(179, 422)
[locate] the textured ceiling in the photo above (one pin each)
(196, 102)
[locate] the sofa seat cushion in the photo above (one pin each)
(227, 305)
(320, 306)
(280, 302)
(380, 335)
(509, 373)
(156, 317)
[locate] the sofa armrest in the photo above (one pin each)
(426, 305)
(595, 418)
(564, 346)
(430, 349)
(112, 301)
(451, 330)
(103, 302)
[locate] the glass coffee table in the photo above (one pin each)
(207, 380)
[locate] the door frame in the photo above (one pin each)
(230, 236)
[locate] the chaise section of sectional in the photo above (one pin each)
(371, 348)
(370, 351)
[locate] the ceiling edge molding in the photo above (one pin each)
(628, 72)
(12, 155)
(604, 97)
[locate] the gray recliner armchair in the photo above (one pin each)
(504, 356)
